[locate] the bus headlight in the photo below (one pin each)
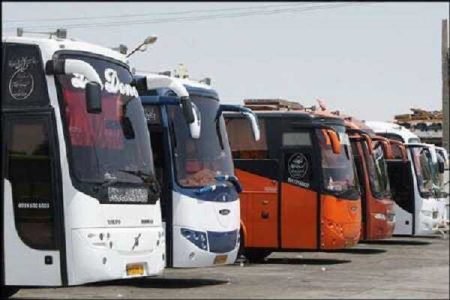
(427, 213)
(379, 216)
(198, 238)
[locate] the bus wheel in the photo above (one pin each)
(257, 256)
(8, 291)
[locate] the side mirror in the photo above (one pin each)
(91, 77)
(369, 142)
(188, 110)
(195, 125)
(251, 117)
(93, 98)
(387, 150)
(441, 166)
(334, 139)
(127, 128)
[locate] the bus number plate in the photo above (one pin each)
(220, 259)
(135, 270)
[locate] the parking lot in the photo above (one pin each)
(396, 268)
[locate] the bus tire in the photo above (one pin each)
(8, 291)
(257, 256)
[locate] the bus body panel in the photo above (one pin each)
(340, 222)
(22, 263)
(259, 209)
(299, 210)
(403, 221)
(380, 228)
(106, 259)
(204, 216)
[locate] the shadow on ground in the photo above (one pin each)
(164, 283)
(397, 242)
(359, 251)
(305, 261)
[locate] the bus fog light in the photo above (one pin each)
(104, 260)
(191, 255)
(198, 238)
(379, 216)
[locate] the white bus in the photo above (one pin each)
(200, 203)
(79, 199)
(420, 212)
(441, 169)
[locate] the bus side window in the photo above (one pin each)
(23, 78)
(29, 169)
(242, 143)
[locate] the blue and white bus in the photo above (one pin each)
(200, 194)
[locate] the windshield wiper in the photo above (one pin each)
(231, 178)
(149, 179)
(349, 192)
(109, 181)
(210, 188)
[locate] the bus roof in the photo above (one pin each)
(392, 128)
(49, 46)
(297, 114)
(193, 87)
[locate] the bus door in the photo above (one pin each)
(298, 201)
(258, 172)
(358, 155)
(161, 158)
(402, 189)
(33, 231)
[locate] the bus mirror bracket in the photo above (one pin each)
(93, 85)
(156, 81)
(369, 142)
(334, 139)
(247, 113)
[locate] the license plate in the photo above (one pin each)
(220, 259)
(135, 270)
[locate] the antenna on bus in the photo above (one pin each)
(143, 46)
(60, 33)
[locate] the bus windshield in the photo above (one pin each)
(338, 170)
(377, 168)
(438, 178)
(423, 168)
(199, 161)
(112, 146)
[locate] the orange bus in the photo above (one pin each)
(300, 190)
(370, 155)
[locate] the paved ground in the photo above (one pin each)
(395, 268)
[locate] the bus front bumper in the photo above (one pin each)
(116, 253)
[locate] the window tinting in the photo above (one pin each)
(241, 139)
(296, 139)
(29, 170)
(23, 78)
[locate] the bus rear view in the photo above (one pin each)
(299, 186)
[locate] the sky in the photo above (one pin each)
(371, 61)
